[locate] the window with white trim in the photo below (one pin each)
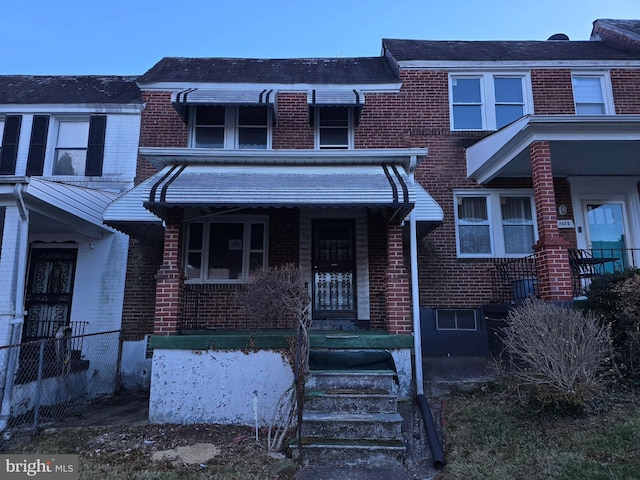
(488, 101)
(334, 127)
(590, 94)
(494, 224)
(230, 127)
(80, 143)
(225, 251)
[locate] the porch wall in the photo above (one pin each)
(214, 386)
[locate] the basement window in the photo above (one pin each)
(456, 319)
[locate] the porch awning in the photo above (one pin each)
(57, 207)
(585, 145)
(335, 98)
(385, 187)
(199, 96)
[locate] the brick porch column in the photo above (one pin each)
(552, 258)
(398, 288)
(169, 283)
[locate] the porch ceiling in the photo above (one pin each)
(580, 145)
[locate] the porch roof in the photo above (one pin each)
(580, 145)
(57, 207)
(294, 181)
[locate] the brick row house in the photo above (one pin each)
(68, 149)
(423, 191)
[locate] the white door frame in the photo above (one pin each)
(622, 190)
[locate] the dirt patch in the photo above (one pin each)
(216, 451)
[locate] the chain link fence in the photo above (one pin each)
(54, 378)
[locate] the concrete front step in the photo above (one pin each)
(350, 401)
(380, 426)
(352, 379)
(368, 454)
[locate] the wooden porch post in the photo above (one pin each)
(398, 288)
(552, 257)
(169, 281)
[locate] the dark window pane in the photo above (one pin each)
(334, 117)
(210, 137)
(252, 137)
(257, 236)
(446, 320)
(256, 261)
(252, 116)
(194, 263)
(334, 137)
(466, 320)
(225, 250)
(195, 236)
(210, 116)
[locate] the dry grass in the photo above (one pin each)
(493, 436)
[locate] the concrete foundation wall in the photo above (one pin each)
(214, 386)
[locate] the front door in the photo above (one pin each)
(607, 233)
(48, 292)
(334, 269)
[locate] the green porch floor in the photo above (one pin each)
(280, 339)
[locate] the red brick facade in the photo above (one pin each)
(416, 116)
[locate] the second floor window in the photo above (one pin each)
(80, 146)
(589, 95)
(334, 127)
(494, 224)
(487, 102)
(244, 127)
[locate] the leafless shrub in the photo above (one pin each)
(278, 297)
(628, 293)
(560, 353)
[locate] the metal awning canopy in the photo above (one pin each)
(199, 96)
(580, 145)
(57, 207)
(335, 98)
(254, 186)
(201, 179)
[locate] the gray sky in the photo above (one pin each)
(127, 37)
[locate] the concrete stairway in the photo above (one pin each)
(351, 419)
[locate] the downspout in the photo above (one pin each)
(16, 325)
(437, 454)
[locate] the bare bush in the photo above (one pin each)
(561, 353)
(628, 293)
(278, 297)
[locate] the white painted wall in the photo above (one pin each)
(204, 386)
(135, 369)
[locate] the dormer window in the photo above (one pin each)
(230, 127)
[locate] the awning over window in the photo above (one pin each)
(335, 98)
(198, 96)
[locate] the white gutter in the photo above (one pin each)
(18, 319)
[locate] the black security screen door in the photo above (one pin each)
(49, 291)
(334, 292)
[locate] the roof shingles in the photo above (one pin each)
(28, 89)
